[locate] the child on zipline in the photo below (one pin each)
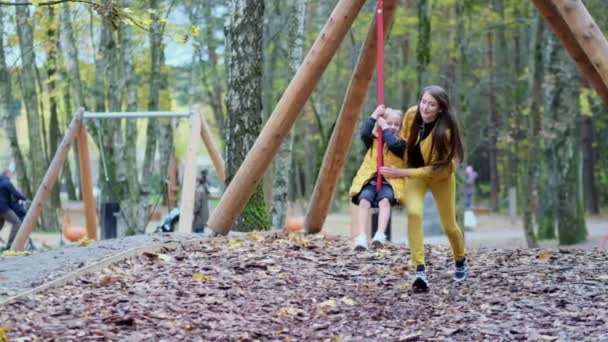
(363, 189)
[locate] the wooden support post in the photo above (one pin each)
(172, 183)
(579, 35)
(283, 116)
(86, 183)
(186, 205)
(341, 137)
(44, 190)
(216, 157)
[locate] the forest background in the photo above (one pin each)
(529, 120)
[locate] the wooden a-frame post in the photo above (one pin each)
(186, 205)
(50, 177)
(341, 137)
(86, 183)
(564, 31)
(283, 117)
(216, 157)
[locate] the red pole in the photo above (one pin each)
(380, 94)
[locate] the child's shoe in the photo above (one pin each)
(361, 242)
(379, 240)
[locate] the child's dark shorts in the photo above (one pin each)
(369, 193)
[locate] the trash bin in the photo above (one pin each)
(109, 221)
(375, 224)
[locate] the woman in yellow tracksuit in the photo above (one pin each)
(433, 148)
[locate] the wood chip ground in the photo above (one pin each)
(315, 288)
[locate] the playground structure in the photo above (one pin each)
(77, 130)
(569, 19)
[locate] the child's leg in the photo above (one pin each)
(444, 193)
(385, 197)
(362, 215)
(384, 213)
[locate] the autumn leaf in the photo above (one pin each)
(289, 311)
(164, 257)
(331, 303)
(4, 334)
(544, 256)
(85, 242)
(254, 236)
(234, 243)
(348, 301)
(201, 277)
(105, 280)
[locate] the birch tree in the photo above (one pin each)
(38, 162)
(9, 112)
(283, 160)
(243, 32)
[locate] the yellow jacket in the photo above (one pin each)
(368, 168)
(425, 172)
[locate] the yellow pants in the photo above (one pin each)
(444, 192)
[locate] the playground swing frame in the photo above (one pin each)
(569, 20)
(77, 130)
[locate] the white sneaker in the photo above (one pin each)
(379, 240)
(361, 242)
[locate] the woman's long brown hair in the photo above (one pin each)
(445, 148)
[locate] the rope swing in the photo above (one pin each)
(380, 80)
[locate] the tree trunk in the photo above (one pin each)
(136, 206)
(562, 200)
(9, 107)
(68, 44)
(243, 34)
(423, 49)
(214, 81)
(68, 111)
(153, 127)
(282, 165)
(55, 135)
(531, 175)
(587, 140)
(39, 164)
(493, 131)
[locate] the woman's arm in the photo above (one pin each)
(425, 172)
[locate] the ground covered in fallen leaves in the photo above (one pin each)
(300, 288)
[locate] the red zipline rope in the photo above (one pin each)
(380, 75)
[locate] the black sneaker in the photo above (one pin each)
(420, 283)
(461, 270)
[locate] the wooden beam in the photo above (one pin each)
(216, 157)
(172, 183)
(186, 205)
(44, 190)
(283, 116)
(341, 137)
(86, 183)
(583, 43)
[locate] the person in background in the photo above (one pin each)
(11, 209)
(201, 203)
(469, 190)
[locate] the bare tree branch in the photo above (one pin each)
(46, 3)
